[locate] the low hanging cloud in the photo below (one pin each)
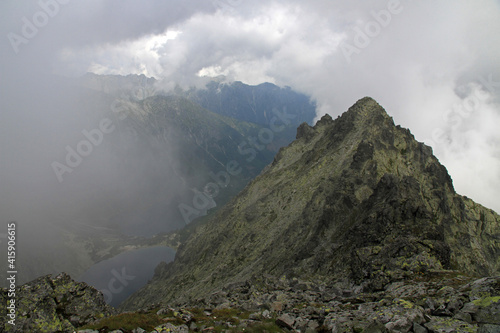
(420, 60)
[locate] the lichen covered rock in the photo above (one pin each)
(51, 304)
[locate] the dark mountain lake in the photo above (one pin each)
(122, 275)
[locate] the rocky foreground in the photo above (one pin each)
(434, 301)
(52, 304)
(440, 301)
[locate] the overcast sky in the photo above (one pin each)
(433, 65)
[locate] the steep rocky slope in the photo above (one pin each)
(356, 200)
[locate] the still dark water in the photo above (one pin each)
(120, 276)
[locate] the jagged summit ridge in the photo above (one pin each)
(364, 108)
(363, 132)
(355, 199)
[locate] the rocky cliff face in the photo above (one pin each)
(356, 200)
(53, 304)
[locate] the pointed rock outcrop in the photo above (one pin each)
(52, 304)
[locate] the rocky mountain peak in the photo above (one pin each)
(355, 200)
(367, 107)
(365, 116)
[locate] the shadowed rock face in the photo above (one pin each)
(356, 199)
(54, 304)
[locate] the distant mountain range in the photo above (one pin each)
(172, 157)
(255, 104)
(192, 136)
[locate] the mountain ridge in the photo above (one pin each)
(356, 199)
